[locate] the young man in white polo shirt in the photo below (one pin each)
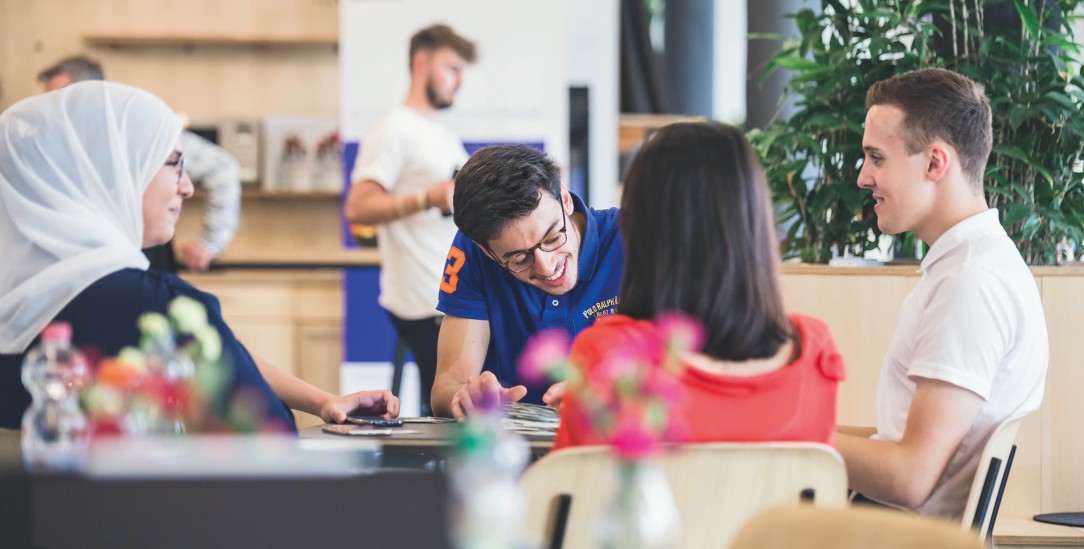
(970, 348)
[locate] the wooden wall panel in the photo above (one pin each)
(202, 80)
(861, 313)
(278, 227)
(861, 307)
(1063, 434)
(278, 18)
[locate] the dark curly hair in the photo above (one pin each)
(499, 185)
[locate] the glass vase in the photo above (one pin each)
(162, 410)
(642, 513)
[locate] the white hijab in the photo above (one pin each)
(73, 167)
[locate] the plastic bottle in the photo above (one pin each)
(55, 433)
(488, 510)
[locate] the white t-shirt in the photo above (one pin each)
(974, 320)
(405, 153)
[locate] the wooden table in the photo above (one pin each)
(419, 445)
(387, 508)
(1025, 533)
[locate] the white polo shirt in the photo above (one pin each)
(974, 320)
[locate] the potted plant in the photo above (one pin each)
(1022, 52)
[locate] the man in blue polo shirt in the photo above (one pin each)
(529, 255)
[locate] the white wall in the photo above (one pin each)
(593, 59)
(516, 91)
(731, 46)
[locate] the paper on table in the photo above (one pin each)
(531, 419)
(533, 413)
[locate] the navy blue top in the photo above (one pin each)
(104, 320)
(516, 311)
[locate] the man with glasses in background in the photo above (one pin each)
(529, 255)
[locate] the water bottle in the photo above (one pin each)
(488, 507)
(55, 432)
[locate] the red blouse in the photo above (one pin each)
(794, 403)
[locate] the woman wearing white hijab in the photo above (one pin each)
(89, 175)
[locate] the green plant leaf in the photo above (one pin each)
(766, 36)
(812, 160)
(1011, 151)
(795, 63)
(1061, 99)
(1017, 115)
(1016, 214)
(1029, 18)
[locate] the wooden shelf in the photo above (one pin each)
(288, 195)
(260, 194)
(316, 257)
(633, 128)
(159, 39)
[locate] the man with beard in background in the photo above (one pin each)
(403, 183)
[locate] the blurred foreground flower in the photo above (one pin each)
(627, 398)
(545, 356)
(175, 382)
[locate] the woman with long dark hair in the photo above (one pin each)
(700, 241)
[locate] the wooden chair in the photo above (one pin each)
(990, 477)
(858, 527)
(716, 488)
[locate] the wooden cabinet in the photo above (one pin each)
(318, 332)
(293, 319)
(319, 354)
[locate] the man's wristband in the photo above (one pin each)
(423, 200)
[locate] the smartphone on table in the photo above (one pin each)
(374, 421)
(351, 430)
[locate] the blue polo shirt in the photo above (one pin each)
(483, 290)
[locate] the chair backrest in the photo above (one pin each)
(857, 527)
(716, 488)
(990, 477)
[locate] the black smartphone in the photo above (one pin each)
(351, 431)
(375, 421)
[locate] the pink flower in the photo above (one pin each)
(545, 355)
(606, 377)
(677, 430)
(633, 439)
(681, 332)
(626, 397)
(660, 384)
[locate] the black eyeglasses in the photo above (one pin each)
(525, 259)
(180, 167)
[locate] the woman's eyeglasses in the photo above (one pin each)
(180, 167)
(180, 170)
